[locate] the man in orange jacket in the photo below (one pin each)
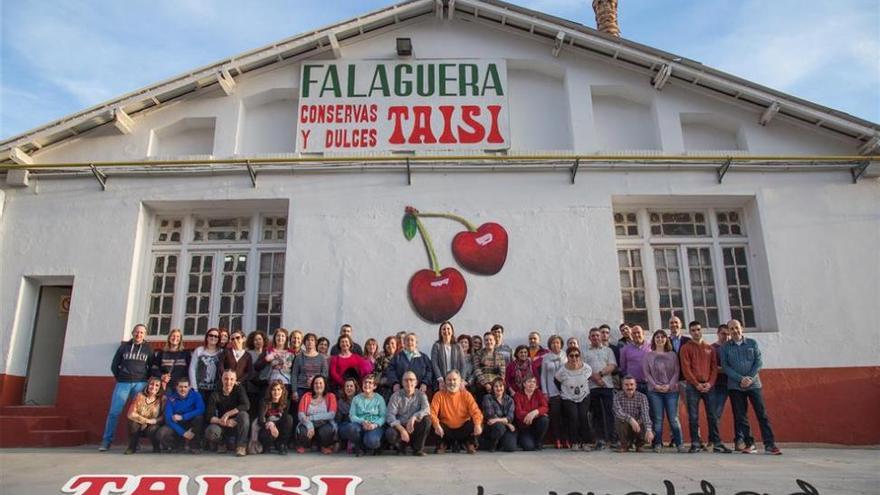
(455, 416)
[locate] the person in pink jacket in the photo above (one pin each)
(347, 363)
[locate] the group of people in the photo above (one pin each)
(255, 393)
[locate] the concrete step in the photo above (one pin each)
(38, 426)
(29, 411)
(43, 438)
(11, 423)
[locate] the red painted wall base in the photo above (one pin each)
(11, 389)
(820, 405)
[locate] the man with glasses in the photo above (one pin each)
(130, 366)
(408, 417)
(741, 360)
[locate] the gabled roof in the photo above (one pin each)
(562, 33)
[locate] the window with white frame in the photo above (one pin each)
(203, 273)
(690, 262)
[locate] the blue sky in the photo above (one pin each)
(58, 57)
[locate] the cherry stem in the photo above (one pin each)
(449, 216)
(429, 246)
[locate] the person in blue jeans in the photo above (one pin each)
(662, 370)
(130, 367)
(741, 360)
(718, 396)
(367, 415)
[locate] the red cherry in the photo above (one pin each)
(437, 298)
(483, 251)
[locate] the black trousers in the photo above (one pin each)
(576, 417)
(601, 402)
(498, 437)
(285, 428)
(416, 439)
(555, 404)
(457, 436)
(325, 435)
(169, 438)
(239, 433)
(136, 431)
(531, 437)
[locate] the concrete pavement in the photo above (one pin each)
(826, 470)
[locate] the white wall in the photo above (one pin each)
(268, 123)
(551, 103)
(347, 260)
(539, 113)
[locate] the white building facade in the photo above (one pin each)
(614, 188)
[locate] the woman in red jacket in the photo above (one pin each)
(531, 410)
(347, 364)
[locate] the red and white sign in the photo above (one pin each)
(385, 105)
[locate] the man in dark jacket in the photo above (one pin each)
(130, 367)
(410, 359)
(227, 415)
(347, 329)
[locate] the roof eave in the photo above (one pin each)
(538, 23)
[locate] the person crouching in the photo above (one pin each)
(228, 416)
(183, 418)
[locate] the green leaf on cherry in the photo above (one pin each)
(409, 226)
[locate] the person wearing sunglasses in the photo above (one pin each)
(574, 381)
(237, 358)
(205, 365)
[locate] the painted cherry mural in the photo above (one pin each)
(436, 294)
(482, 250)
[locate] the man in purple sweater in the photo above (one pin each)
(632, 355)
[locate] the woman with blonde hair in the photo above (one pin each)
(172, 361)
